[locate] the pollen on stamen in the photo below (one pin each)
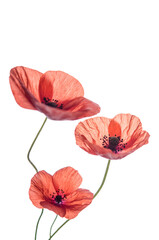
(114, 143)
(58, 197)
(52, 103)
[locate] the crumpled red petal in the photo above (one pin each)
(67, 179)
(23, 81)
(60, 210)
(40, 188)
(60, 86)
(77, 201)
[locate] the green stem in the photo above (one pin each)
(59, 229)
(28, 157)
(38, 223)
(104, 178)
(33, 145)
(53, 224)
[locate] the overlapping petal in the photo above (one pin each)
(40, 188)
(59, 85)
(24, 80)
(60, 210)
(77, 201)
(67, 179)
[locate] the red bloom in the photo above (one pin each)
(60, 193)
(56, 94)
(111, 138)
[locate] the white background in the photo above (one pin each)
(112, 48)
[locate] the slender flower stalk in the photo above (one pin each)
(104, 178)
(28, 155)
(59, 228)
(38, 223)
(53, 224)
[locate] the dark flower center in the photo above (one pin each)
(58, 197)
(113, 143)
(52, 103)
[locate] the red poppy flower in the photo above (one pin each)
(60, 193)
(56, 94)
(111, 138)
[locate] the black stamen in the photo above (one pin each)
(52, 103)
(58, 199)
(113, 143)
(58, 196)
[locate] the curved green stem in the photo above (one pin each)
(104, 178)
(33, 145)
(28, 157)
(38, 223)
(59, 229)
(53, 224)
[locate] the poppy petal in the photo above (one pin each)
(99, 150)
(77, 201)
(130, 147)
(60, 210)
(132, 131)
(84, 108)
(114, 128)
(136, 142)
(23, 81)
(67, 179)
(130, 125)
(89, 133)
(60, 86)
(41, 188)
